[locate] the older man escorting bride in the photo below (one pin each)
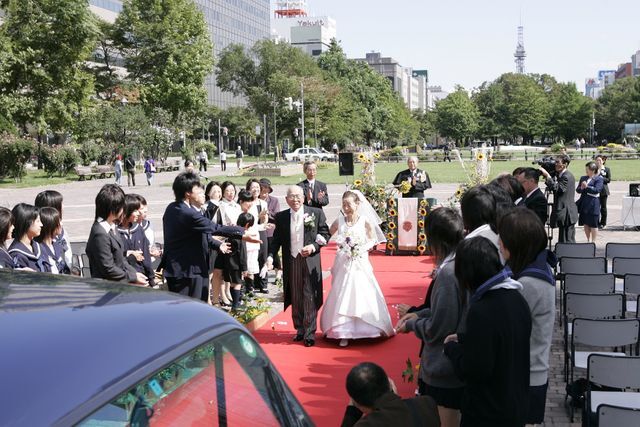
(355, 306)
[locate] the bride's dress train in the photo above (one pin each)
(355, 306)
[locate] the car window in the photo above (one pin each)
(211, 385)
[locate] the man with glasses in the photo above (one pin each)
(564, 213)
(300, 231)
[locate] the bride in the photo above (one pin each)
(355, 306)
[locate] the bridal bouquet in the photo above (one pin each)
(352, 246)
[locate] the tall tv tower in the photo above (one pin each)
(520, 53)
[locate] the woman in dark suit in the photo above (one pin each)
(590, 187)
(605, 173)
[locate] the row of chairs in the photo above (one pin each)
(80, 259)
(594, 305)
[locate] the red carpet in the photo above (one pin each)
(316, 375)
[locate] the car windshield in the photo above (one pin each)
(228, 381)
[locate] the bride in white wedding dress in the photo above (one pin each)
(355, 306)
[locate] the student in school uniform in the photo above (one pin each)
(24, 250)
(52, 250)
(135, 243)
(53, 199)
(104, 247)
(6, 228)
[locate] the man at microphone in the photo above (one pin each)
(417, 178)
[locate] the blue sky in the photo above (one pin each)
(467, 42)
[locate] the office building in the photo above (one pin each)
(229, 22)
(291, 23)
(594, 86)
(435, 94)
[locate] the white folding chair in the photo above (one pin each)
(588, 306)
(622, 250)
(632, 292)
(622, 373)
(622, 266)
(617, 416)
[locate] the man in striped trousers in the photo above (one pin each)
(300, 232)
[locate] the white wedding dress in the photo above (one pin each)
(355, 306)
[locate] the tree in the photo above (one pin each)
(489, 99)
(42, 75)
(618, 104)
(457, 116)
(167, 52)
(570, 112)
(525, 110)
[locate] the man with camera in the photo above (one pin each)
(564, 213)
(533, 197)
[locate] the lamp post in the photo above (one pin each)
(302, 108)
(124, 101)
(315, 123)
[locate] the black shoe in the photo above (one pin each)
(263, 291)
(298, 337)
(309, 343)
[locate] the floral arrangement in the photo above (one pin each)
(392, 226)
(351, 246)
(405, 187)
(376, 194)
(309, 221)
(477, 174)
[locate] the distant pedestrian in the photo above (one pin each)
(223, 161)
(149, 169)
(447, 152)
(239, 156)
(203, 159)
(118, 169)
(130, 166)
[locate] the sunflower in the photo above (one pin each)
(422, 236)
(381, 190)
(376, 155)
(423, 203)
(423, 212)
(361, 157)
(458, 192)
(480, 157)
(391, 236)
(392, 226)
(357, 183)
(421, 224)
(422, 248)
(390, 246)
(391, 202)
(392, 212)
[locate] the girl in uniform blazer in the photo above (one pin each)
(24, 250)
(52, 249)
(6, 228)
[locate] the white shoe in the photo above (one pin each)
(344, 342)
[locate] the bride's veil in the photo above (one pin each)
(366, 210)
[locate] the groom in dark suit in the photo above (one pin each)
(315, 192)
(297, 231)
(418, 179)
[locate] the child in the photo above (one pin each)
(136, 245)
(24, 250)
(6, 228)
(53, 199)
(52, 250)
(236, 263)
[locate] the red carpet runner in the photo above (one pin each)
(316, 375)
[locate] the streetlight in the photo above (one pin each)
(315, 124)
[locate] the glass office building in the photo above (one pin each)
(229, 22)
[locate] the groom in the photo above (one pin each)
(297, 231)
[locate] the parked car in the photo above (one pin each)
(94, 353)
(309, 153)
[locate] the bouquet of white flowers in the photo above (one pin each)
(352, 246)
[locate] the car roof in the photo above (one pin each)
(66, 339)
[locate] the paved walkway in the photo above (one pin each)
(79, 212)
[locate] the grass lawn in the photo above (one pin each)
(445, 172)
(37, 178)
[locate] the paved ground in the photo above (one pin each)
(79, 212)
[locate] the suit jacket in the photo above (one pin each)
(391, 410)
(106, 256)
(282, 239)
(315, 201)
(187, 240)
(587, 204)
(416, 190)
(605, 173)
(564, 211)
(537, 203)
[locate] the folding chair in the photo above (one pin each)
(617, 372)
(78, 248)
(632, 292)
(84, 259)
(600, 333)
(575, 250)
(622, 250)
(588, 306)
(617, 416)
(622, 266)
(589, 283)
(574, 265)
(86, 272)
